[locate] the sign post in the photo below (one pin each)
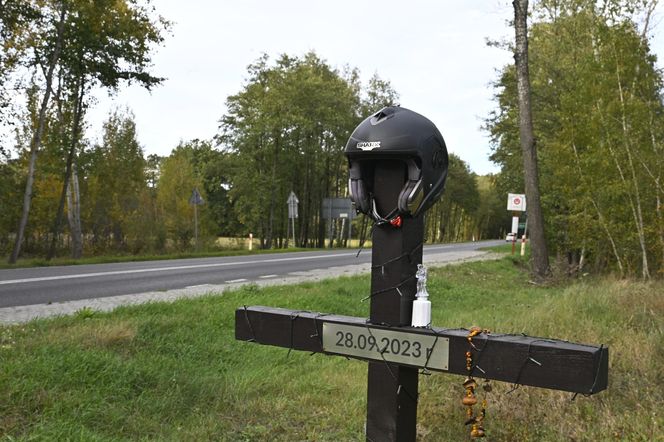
(516, 202)
(292, 202)
(196, 200)
(523, 238)
(338, 208)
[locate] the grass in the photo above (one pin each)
(507, 248)
(175, 372)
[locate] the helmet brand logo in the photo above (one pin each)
(368, 145)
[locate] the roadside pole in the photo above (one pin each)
(292, 202)
(196, 200)
(515, 229)
(516, 202)
(523, 239)
(196, 226)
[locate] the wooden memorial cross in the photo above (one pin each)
(396, 352)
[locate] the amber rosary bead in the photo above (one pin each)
(470, 385)
(469, 400)
(477, 432)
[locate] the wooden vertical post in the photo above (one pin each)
(392, 389)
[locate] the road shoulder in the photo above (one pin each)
(21, 314)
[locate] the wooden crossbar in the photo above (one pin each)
(518, 359)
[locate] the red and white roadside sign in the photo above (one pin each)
(516, 202)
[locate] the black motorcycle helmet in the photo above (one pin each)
(396, 133)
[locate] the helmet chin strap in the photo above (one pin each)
(392, 218)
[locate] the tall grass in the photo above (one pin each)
(175, 372)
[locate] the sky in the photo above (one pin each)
(434, 53)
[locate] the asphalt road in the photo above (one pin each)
(44, 285)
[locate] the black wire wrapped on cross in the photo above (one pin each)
(398, 166)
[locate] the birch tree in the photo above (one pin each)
(540, 254)
(53, 17)
(108, 42)
(597, 99)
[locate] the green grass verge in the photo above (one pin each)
(507, 248)
(175, 372)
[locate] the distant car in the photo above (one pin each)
(511, 237)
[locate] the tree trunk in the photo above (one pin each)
(78, 110)
(638, 214)
(638, 226)
(74, 214)
(540, 256)
(36, 139)
(600, 217)
(305, 221)
(659, 192)
(658, 187)
(273, 193)
(660, 227)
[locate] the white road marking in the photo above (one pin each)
(197, 286)
(196, 266)
(166, 269)
(233, 281)
(267, 276)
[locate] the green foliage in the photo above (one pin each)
(177, 181)
(285, 132)
(212, 169)
(10, 210)
(379, 93)
(110, 41)
(466, 210)
(116, 188)
(599, 122)
(491, 217)
(16, 19)
(46, 182)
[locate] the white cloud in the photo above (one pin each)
(433, 52)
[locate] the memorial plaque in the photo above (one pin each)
(396, 346)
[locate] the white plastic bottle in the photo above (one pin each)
(421, 305)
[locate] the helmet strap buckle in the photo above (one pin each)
(396, 221)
